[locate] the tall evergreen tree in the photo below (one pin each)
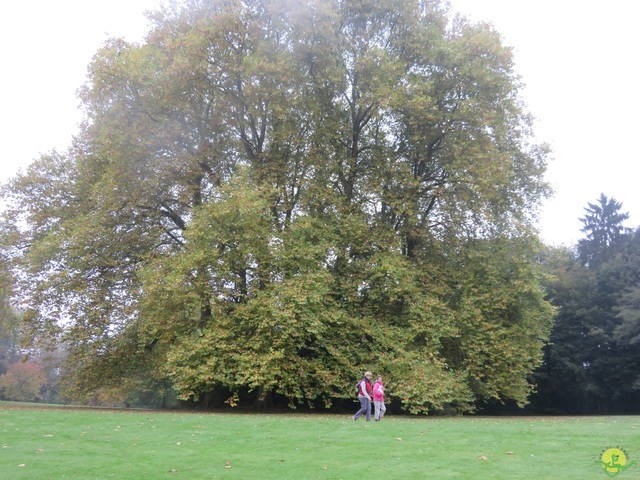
(602, 225)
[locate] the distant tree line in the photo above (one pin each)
(592, 364)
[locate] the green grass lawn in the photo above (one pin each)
(62, 443)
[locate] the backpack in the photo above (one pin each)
(358, 386)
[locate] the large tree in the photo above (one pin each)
(269, 197)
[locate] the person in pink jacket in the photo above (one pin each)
(378, 399)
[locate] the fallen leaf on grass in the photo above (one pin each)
(511, 453)
(324, 468)
(174, 470)
(483, 457)
(48, 436)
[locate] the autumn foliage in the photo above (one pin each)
(268, 198)
(23, 382)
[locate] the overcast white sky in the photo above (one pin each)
(578, 58)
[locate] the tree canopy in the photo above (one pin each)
(267, 198)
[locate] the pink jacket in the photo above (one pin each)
(378, 392)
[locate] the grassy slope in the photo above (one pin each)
(52, 443)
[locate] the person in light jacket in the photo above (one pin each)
(365, 392)
(378, 399)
